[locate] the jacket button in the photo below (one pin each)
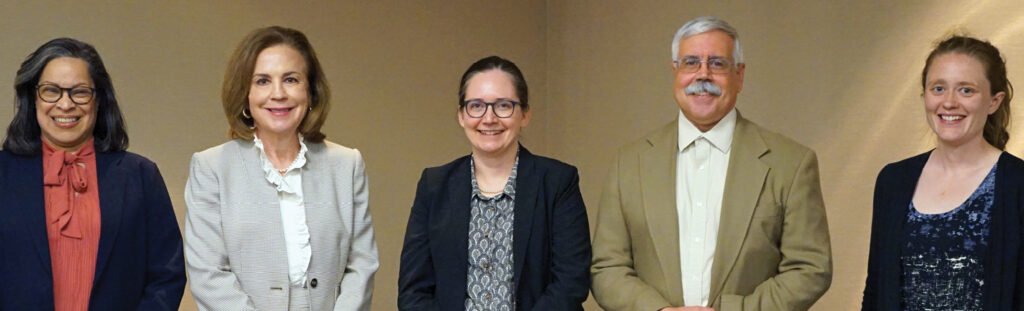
(312, 283)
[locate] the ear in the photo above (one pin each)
(461, 117)
(997, 100)
(740, 69)
(526, 118)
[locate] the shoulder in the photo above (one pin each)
(219, 151)
(333, 151)
(778, 144)
(437, 174)
(911, 166)
(1011, 169)
(661, 134)
(551, 168)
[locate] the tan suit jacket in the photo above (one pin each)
(773, 249)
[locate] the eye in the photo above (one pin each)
(81, 92)
(475, 104)
(49, 91)
(691, 61)
(966, 91)
(261, 81)
(717, 63)
(505, 104)
(291, 80)
(938, 89)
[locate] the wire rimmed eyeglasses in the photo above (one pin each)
(692, 64)
(503, 108)
(51, 93)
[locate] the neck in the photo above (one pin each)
(967, 155)
(499, 164)
(281, 150)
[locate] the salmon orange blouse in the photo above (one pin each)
(72, 223)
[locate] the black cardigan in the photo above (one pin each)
(1003, 264)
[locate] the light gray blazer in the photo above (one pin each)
(234, 242)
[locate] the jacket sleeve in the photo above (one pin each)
(214, 286)
(165, 263)
(869, 301)
(357, 283)
(417, 283)
(615, 283)
(805, 271)
(570, 250)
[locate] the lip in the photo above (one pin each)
(279, 111)
(65, 121)
(949, 118)
(490, 132)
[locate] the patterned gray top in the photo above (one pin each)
(943, 254)
(489, 285)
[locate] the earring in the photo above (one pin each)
(245, 113)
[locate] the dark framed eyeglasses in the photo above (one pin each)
(503, 108)
(51, 93)
(692, 64)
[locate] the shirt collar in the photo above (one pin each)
(720, 136)
(510, 184)
(271, 173)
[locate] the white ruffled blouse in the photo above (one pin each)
(293, 212)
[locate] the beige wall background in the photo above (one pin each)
(839, 77)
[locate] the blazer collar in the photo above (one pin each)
(112, 178)
(657, 184)
(527, 186)
(743, 183)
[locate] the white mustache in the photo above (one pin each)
(703, 86)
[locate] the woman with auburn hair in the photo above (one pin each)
(947, 225)
(277, 217)
(84, 225)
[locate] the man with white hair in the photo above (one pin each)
(711, 211)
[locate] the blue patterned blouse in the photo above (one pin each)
(943, 253)
(489, 283)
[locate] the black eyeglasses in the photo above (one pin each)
(503, 108)
(51, 93)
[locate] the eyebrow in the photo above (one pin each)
(41, 82)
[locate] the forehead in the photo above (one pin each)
(280, 57)
(491, 82)
(953, 67)
(66, 70)
(710, 43)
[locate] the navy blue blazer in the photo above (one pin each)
(1003, 263)
(139, 265)
(551, 238)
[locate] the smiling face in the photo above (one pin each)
(704, 110)
(279, 93)
(64, 124)
(958, 99)
(490, 135)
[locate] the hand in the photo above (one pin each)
(687, 309)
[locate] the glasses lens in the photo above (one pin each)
(81, 95)
(504, 108)
(476, 108)
(718, 65)
(49, 93)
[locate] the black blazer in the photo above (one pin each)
(894, 190)
(139, 265)
(551, 238)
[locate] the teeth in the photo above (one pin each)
(65, 120)
(490, 132)
(951, 118)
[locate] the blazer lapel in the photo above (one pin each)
(658, 185)
(453, 224)
(28, 189)
(743, 183)
(268, 206)
(527, 184)
(111, 178)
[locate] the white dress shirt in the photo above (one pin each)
(701, 165)
(293, 211)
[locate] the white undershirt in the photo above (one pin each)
(701, 165)
(293, 211)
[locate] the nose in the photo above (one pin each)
(277, 91)
(65, 103)
(704, 71)
(490, 115)
(950, 100)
